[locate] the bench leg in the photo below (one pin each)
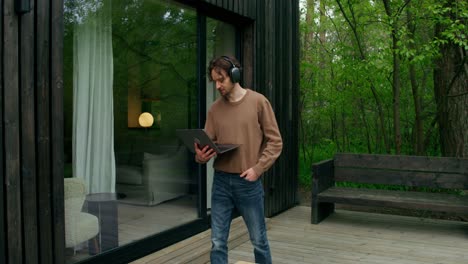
(321, 211)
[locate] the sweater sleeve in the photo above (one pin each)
(272, 144)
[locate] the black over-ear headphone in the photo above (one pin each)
(234, 72)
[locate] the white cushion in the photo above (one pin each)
(81, 227)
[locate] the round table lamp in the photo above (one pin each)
(146, 119)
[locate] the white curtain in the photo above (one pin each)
(93, 114)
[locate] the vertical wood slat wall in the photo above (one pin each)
(244, 8)
(278, 55)
(10, 98)
(56, 96)
(276, 75)
(28, 158)
(31, 208)
(2, 143)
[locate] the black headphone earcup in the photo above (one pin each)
(235, 74)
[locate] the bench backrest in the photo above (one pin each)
(417, 171)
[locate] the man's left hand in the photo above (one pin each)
(250, 175)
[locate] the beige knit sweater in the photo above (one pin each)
(249, 122)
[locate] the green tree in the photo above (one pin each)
(451, 76)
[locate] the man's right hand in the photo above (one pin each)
(203, 155)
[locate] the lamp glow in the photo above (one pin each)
(146, 119)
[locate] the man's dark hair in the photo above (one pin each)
(222, 63)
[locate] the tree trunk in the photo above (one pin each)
(309, 80)
(396, 95)
(366, 125)
(309, 35)
(335, 131)
(323, 40)
(451, 93)
(396, 76)
(418, 126)
(343, 129)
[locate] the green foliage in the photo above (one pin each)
(347, 63)
(452, 17)
(325, 150)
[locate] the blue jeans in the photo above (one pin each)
(231, 191)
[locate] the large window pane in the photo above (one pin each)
(220, 40)
(130, 81)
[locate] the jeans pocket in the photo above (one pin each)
(250, 189)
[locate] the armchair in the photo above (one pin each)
(79, 226)
(163, 175)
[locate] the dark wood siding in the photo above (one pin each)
(241, 7)
(28, 150)
(277, 66)
(2, 143)
(31, 138)
(56, 95)
(11, 136)
(43, 133)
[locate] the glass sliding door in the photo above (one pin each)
(129, 81)
(220, 40)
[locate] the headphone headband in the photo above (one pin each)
(226, 58)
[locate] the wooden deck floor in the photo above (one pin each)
(345, 237)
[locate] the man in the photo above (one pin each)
(245, 117)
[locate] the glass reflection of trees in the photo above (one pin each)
(154, 46)
(155, 52)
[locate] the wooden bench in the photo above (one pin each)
(393, 170)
